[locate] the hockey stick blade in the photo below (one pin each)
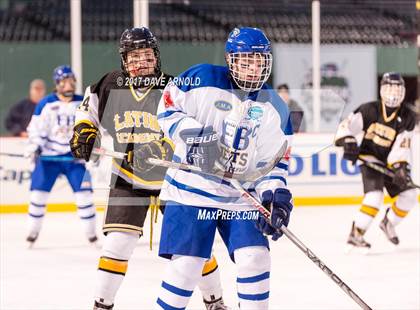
(311, 255)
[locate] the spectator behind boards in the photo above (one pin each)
(296, 112)
(20, 113)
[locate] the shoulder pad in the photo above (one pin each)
(108, 81)
(203, 75)
(44, 101)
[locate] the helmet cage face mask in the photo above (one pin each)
(140, 62)
(392, 95)
(249, 70)
(127, 46)
(66, 86)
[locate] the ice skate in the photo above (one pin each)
(100, 306)
(389, 229)
(31, 239)
(216, 304)
(94, 241)
(356, 240)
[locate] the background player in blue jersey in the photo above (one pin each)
(231, 118)
(50, 130)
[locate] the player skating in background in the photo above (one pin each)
(231, 108)
(50, 130)
(387, 127)
(127, 108)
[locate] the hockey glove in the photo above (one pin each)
(202, 149)
(138, 158)
(401, 174)
(351, 149)
(280, 206)
(85, 137)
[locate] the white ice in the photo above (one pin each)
(59, 272)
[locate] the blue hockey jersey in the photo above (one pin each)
(51, 126)
(255, 125)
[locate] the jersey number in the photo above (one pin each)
(406, 142)
(84, 106)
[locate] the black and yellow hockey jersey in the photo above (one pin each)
(387, 133)
(129, 114)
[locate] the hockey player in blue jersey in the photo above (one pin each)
(50, 130)
(228, 117)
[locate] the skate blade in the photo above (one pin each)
(30, 245)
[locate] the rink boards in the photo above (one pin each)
(318, 176)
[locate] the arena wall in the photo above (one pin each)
(318, 176)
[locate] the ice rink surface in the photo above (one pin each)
(59, 272)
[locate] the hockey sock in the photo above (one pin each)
(36, 211)
(400, 208)
(209, 284)
(181, 277)
(86, 211)
(253, 282)
(371, 204)
(116, 251)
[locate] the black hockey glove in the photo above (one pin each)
(138, 158)
(280, 205)
(401, 174)
(351, 149)
(202, 149)
(85, 137)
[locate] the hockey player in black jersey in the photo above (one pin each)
(124, 104)
(387, 127)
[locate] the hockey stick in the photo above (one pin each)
(249, 177)
(266, 213)
(384, 170)
(43, 157)
(105, 152)
(311, 255)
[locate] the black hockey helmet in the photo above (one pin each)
(136, 38)
(392, 89)
(393, 78)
